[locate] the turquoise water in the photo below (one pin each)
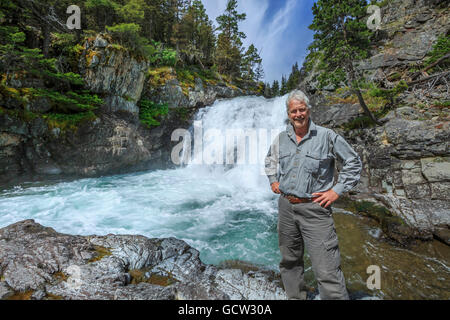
(223, 221)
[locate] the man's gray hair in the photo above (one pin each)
(299, 96)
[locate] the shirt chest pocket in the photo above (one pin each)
(284, 161)
(316, 162)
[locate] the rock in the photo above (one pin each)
(381, 60)
(115, 103)
(114, 73)
(37, 259)
(436, 169)
(41, 105)
(198, 85)
(100, 42)
(443, 234)
(408, 113)
(335, 115)
(172, 94)
(424, 17)
(5, 292)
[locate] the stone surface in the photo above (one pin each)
(116, 267)
(114, 73)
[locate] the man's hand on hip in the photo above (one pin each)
(325, 198)
(275, 187)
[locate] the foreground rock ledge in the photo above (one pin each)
(36, 262)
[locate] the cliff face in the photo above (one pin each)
(114, 141)
(406, 160)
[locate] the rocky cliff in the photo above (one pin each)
(406, 160)
(114, 141)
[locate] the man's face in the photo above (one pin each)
(298, 114)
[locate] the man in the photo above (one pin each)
(305, 154)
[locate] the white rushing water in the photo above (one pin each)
(224, 211)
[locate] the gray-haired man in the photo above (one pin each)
(305, 155)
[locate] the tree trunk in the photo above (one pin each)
(352, 77)
(362, 103)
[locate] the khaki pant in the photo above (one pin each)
(310, 225)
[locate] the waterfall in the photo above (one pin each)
(230, 140)
(224, 208)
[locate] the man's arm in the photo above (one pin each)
(271, 165)
(352, 166)
(349, 175)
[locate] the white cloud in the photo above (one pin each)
(268, 35)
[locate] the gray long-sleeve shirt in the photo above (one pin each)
(308, 166)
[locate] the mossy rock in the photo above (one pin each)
(394, 227)
(51, 296)
(244, 266)
(21, 295)
(139, 275)
(101, 252)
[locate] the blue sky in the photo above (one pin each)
(278, 28)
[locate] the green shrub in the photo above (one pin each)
(69, 101)
(159, 55)
(150, 112)
(440, 49)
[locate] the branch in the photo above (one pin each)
(442, 74)
(430, 66)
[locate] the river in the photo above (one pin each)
(226, 211)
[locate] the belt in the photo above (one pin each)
(294, 199)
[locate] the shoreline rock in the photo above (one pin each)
(36, 262)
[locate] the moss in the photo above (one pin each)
(138, 276)
(19, 114)
(158, 77)
(387, 221)
(244, 266)
(67, 121)
(51, 296)
(90, 55)
(101, 252)
(161, 280)
(21, 295)
(60, 276)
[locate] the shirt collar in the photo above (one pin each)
(312, 130)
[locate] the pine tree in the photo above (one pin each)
(229, 44)
(283, 89)
(275, 88)
(251, 68)
(194, 36)
(341, 34)
(294, 78)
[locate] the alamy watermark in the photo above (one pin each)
(73, 21)
(374, 280)
(222, 147)
(374, 20)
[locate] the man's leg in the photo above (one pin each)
(290, 242)
(317, 227)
